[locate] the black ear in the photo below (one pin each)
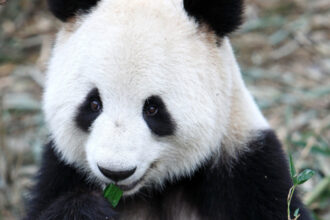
(223, 16)
(65, 9)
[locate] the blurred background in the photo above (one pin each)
(284, 52)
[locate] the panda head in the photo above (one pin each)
(140, 91)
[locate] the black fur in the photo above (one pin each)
(223, 16)
(85, 116)
(65, 9)
(63, 193)
(255, 187)
(161, 124)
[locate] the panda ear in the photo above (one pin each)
(65, 9)
(223, 16)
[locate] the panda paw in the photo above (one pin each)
(82, 206)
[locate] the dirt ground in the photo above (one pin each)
(284, 52)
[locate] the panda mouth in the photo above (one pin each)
(129, 186)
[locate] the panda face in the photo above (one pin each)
(136, 94)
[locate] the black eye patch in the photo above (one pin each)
(157, 117)
(89, 110)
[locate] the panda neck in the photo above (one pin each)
(245, 118)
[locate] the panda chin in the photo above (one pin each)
(130, 188)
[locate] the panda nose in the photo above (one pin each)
(116, 175)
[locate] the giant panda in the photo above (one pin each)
(147, 94)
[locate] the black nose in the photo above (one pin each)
(116, 175)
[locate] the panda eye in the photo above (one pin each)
(157, 116)
(95, 105)
(151, 110)
(89, 110)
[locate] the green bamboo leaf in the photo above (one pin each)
(305, 175)
(113, 194)
(292, 168)
(296, 213)
(293, 171)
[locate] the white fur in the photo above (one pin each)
(130, 50)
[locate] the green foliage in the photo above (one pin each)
(113, 194)
(305, 175)
(297, 179)
(292, 169)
